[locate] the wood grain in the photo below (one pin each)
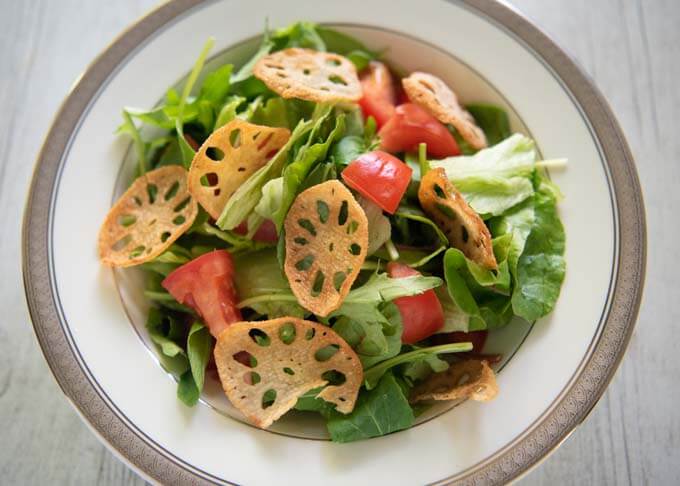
(631, 48)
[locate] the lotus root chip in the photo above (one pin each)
(462, 226)
(265, 366)
(326, 244)
(155, 210)
(436, 97)
(309, 75)
(467, 379)
(228, 158)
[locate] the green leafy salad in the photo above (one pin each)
(327, 237)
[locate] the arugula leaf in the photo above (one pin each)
(280, 112)
(131, 129)
(308, 402)
(199, 346)
(381, 288)
(373, 374)
(347, 46)
(187, 390)
(422, 232)
(374, 332)
(248, 195)
(348, 149)
(377, 412)
(165, 331)
(541, 267)
(421, 368)
(300, 34)
(278, 198)
(493, 120)
(186, 149)
(323, 172)
(228, 111)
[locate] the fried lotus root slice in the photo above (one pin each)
(148, 218)
(228, 158)
(459, 222)
(468, 379)
(326, 244)
(309, 75)
(436, 97)
(286, 357)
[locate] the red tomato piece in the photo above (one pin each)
(411, 125)
(380, 177)
(266, 233)
(422, 315)
(378, 92)
(206, 285)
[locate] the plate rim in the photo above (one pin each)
(570, 408)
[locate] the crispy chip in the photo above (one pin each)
(459, 222)
(326, 243)
(467, 379)
(228, 158)
(309, 75)
(148, 218)
(431, 93)
(289, 356)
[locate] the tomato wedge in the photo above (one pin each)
(266, 233)
(411, 125)
(380, 177)
(378, 99)
(206, 285)
(422, 315)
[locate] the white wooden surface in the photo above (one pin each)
(631, 48)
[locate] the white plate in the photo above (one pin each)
(94, 340)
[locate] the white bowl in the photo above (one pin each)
(95, 341)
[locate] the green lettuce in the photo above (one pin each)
(259, 280)
(496, 178)
(493, 121)
(248, 195)
(278, 194)
(373, 331)
(378, 412)
(373, 374)
(541, 266)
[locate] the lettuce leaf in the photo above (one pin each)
(373, 331)
(377, 412)
(199, 346)
(259, 280)
(493, 120)
(496, 178)
(381, 288)
(541, 266)
(278, 194)
(246, 197)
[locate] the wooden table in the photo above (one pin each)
(631, 48)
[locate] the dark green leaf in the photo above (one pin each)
(493, 120)
(378, 412)
(199, 346)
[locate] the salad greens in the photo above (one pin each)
(505, 184)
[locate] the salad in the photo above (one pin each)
(327, 236)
